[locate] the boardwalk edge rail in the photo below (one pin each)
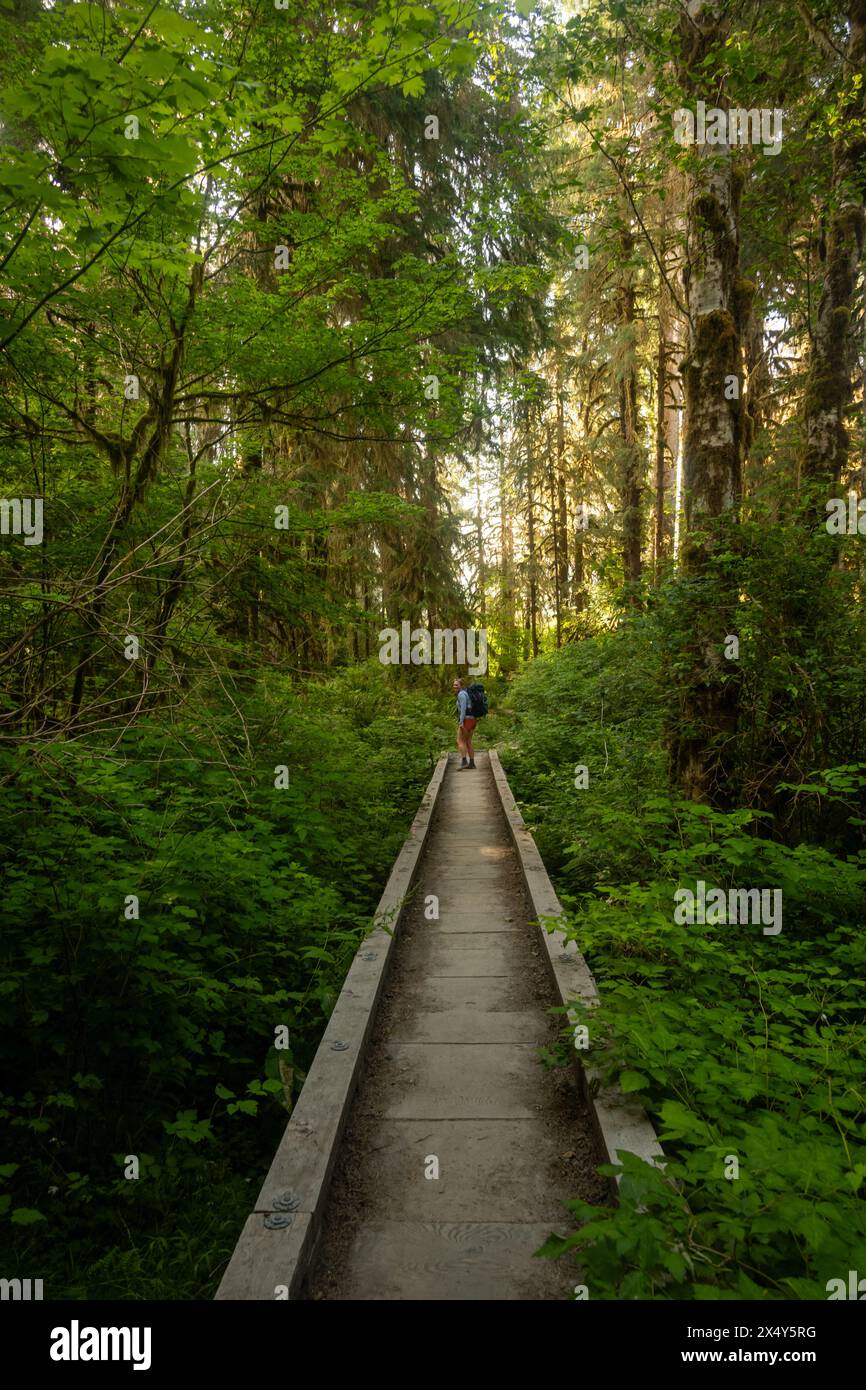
(621, 1123)
(278, 1241)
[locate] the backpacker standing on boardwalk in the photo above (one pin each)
(471, 706)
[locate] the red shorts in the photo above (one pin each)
(469, 724)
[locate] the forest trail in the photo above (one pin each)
(454, 1078)
(347, 351)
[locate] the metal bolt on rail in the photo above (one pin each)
(287, 1201)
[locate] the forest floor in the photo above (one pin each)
(454, 1085)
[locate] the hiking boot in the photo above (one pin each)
(471, 762)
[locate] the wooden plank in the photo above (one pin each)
(450, 1260)
(267, 1263)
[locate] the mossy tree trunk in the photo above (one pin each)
(633, 467)
(667, 429)
(717, 300)
(828, 386)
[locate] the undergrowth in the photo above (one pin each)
(171, 915)
(747, 1048)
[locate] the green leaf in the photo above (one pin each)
(26, 1216)
(632, 1081)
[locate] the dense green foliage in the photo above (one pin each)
(323, 318)
(741, 1044)
(243, 301)
(155, 1036)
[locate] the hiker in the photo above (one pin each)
(465, 725)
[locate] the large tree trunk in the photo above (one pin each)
(561, 487)
(712, 444)
(828, 386)
(506, 552)
(668, 406)
(533, 572)
(633, 462)
(554, 531)
(479, 541)
(716, 300)
(579, 499)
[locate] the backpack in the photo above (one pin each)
(477, 701)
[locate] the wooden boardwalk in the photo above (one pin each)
(461, 1146)
(430, 1152)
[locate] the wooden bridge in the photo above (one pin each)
(430, 1152)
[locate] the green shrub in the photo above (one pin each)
(153, 1034)
(742, 1045)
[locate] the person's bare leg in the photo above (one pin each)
(461, 742)
(469, 752)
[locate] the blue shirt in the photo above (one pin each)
(462, 705)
